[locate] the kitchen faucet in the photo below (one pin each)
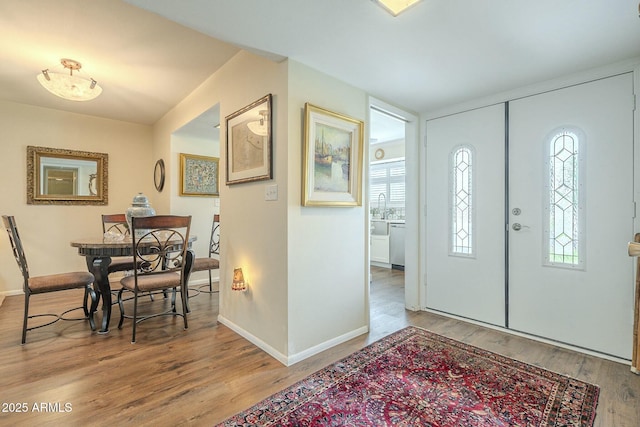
(384, 212)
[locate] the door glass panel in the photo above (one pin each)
(462, 201)
(563, 236)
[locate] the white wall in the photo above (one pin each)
(327, 259)
(46, 230)
(306, 267)
(253, 231)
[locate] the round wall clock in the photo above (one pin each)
(158, 175)
(379, 153)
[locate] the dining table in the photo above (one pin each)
(98, 252)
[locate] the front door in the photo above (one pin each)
(465, 247)
(571, 215)
(544, 251)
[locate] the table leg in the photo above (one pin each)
(99, 267)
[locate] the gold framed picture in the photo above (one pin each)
(249, 142)
(332, 168)
(199, 175)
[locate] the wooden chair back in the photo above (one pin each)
(116, 223)
(214, 241)
(160, 244)
(16, 247)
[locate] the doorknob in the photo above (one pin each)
(517, 226)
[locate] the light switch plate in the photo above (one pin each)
(271, 192)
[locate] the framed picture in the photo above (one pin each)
(199, 175)
(249, 142)
(332, 169)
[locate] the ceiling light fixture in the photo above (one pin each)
(68, 86)
(395, 7)
(260, 127)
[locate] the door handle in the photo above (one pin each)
(517, 226)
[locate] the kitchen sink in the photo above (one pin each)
(379, 228)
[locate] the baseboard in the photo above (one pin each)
(381, 264)
(298, 357)
(253, 340)
(203, 281)
(11, 293)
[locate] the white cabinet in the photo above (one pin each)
(380, 248)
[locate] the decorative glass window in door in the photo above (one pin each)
(461, 201)
(563, 235)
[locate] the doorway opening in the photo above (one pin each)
(200, 137)
(393, 197)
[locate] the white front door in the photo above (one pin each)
(466, 261)
(570, 278)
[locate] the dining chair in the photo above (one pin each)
(210, 263)
(117, 224)
(160, 246)
(49, 283)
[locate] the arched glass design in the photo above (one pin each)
(461, 201)
(564, 235)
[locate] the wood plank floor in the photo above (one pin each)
(201, 376)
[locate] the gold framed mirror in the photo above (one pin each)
(57, 176)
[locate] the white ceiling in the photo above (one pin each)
(439, 53)
(145, 64)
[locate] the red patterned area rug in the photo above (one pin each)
(417, 378)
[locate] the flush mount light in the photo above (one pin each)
(395, 7)
(69, 86)
(260, 127)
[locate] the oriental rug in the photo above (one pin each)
(414, 377)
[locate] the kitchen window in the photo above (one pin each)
(386, 185)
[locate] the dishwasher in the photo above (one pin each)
(396, 245)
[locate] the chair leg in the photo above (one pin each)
(26, 317)
(121, 306)
(135, 315)
(173, 300)
(184, 297)
(210, 282)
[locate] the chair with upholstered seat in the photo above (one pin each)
(210, 263)
(160, 246)
(49, 283)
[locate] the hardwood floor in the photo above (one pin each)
(203, 375)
